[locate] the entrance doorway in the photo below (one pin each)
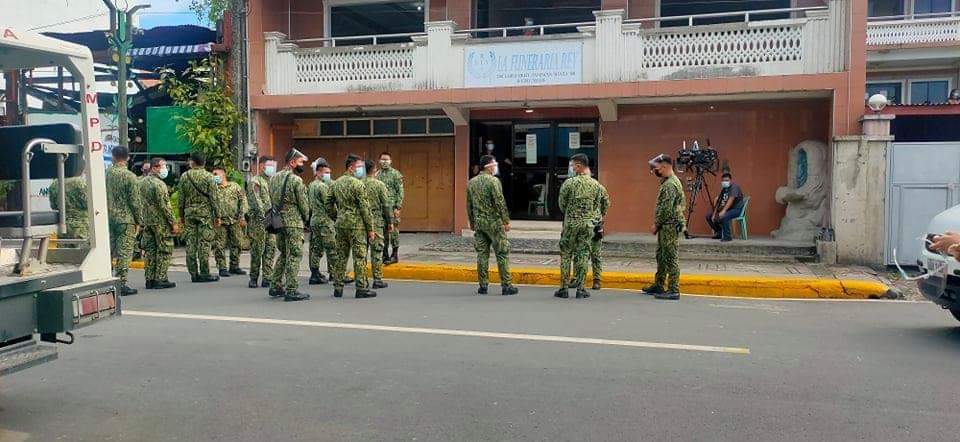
(533, 157)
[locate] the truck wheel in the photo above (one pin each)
(956, 312)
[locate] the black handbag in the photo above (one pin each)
(273, 220)
(598, 231)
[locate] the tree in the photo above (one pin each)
(209, 128)
(210, 10)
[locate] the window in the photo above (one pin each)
(441, 126)
(929, 92)
(893, 91)
(358, 127)
(377, 18)
(505, 13)
(386, 127)
(932, 6)
(884, 8)
(413, 126)
(670, 8)
(331, 128)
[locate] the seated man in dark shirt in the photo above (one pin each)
(729, 206)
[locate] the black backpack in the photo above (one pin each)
(273, 220)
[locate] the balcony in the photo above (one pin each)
(608, 50)
(914, 30)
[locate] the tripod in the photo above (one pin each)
(699, 185)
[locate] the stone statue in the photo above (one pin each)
(805, 193)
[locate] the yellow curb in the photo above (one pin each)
(136, 265)
(715, 285)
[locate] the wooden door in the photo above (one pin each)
(427, 165)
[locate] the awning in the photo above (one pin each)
(160, 51)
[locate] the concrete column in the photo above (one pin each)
(609, 47)
(461, 175)
(858, 209)
(440, 73)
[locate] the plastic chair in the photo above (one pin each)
(541, 203)
(742, 219)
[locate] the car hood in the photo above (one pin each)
(948, 220)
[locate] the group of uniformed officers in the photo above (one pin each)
(357, 212)
(584, 203)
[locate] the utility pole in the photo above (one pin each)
(121, 39)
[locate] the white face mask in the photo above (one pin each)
(163, 172)
(490, 147)
(270, 169)
(326, 177)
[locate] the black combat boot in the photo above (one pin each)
(265, 283)
(254, 284)
(149, 284)
(295, 296)
(582, 294)
(668, 295)
(275, 292)
(379, 284)
(652, 290)
(127, 291)
(596, 284)
(394, 257)
(204, 278)
(482, 290)
(338, 292)
(314, 276)
(224, 273)
(164, 284)
(562, 293)
(238, 271)
(366, 293)
(509, 290)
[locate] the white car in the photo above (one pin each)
(943, 284)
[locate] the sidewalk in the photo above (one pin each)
(707, 277)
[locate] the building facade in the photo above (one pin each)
(435, 82)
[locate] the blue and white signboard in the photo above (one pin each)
(526, 63)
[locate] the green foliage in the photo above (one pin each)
(209, 128)
(210, 10)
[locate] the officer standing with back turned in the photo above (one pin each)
(123, 204)
(668, 224)
(579, 201)
(490, 222)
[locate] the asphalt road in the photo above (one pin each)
(435, 362)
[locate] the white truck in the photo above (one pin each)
(46, 292)
(941, 280)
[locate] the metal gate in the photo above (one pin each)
(924, 180)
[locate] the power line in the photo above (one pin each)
(68, 21)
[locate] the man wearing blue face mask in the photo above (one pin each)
(729, 206)
(159, 226)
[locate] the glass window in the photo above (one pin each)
(884, 8)
(441, 126)
(386, 127)
(358, 127)
(377, 18)
(331, 128)
(413, 126)
(669, 8)
(931, 6)
(893, 91)
(504, 13)
(576, 138)
(929, 92)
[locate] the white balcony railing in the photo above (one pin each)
(610, 49)
(914, 29)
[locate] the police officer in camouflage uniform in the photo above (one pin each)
(289, 196)
(77, 219)
(376, 194)
(579, 201)
(393, 179)
(123, 205)
(322, 236)
(668, 224)
(159, 226)
(262, 244)
(490, 222)
(199, 214)
(233, 208)
(354, 227)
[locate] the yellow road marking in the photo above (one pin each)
(442, 331)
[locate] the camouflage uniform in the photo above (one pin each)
(596, 245)
(580, 203)
(158, 225)
(262, 244)
(393, 179)
(296, 209)
(669, 222)
(353, 221)
(232, 207)
(123, 206)
(78, 222)
(487, 213)
(376, 194)
(198, 210)
(322, 236)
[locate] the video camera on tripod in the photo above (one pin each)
(700, 161)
